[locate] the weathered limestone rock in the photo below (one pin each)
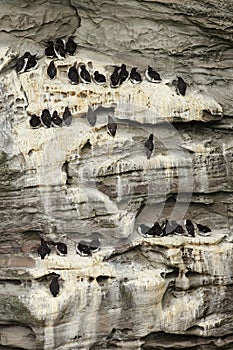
(190, 38)
(75, 182)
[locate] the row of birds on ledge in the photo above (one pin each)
(48, 120)
(76, 74)
(84, 248)
(169, 227)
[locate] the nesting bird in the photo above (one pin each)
(99, 78)
(83, 248)
(56, 121)
(171, 227)
(35, 121)
(111, 126)
(60, 49)
(178, 229)
(49, 50)
(189, 227)
(26, 63)
(52, 70)
(61, 248)
(91, 116)
(134, 76)
(123, 74)
(73, 74)
(152, 75)
(71, 46)
(43, 249)
(143, 229)
(22, 62)
(153, 231)
(115, 78)
(95, 245)
(46, 118)
(32, 63)
(203, 230)
(181, 86)
(84, 74)
(67, 117)
(149, 145)
(54, 286)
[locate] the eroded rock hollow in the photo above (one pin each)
(78, 182)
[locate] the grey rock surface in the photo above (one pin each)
(73, 183)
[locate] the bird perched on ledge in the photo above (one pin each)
(61, 248)
(134, 76)
(91, 116)
(83, 248)
(99, 78)
(111, 126)
(189, 227)
(54, 286)
(73, 74)
(149, 144)
(71, 46)
(52, 70)
(181, 86)
(43, 249)
(35, 121)
(60, 49)
(152, 76)
(84, 74)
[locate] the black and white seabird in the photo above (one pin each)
(123, 74)
(32, 63)
(71, 46)
(83, 248)
(43, 249)
(154, 231)
(49, 50)
(56, 121)
(54, 286)
(189, 227)
(22, 62)
(60, 49)
(178, 229)
(95, 245)
(115, 78)
(35, 121)
(181, 86)
(203, 230)
(99, 78)
(67, 116)
(73, 75)
(173, 227)
(152, 75)
(61, 248)
(46, 118)
(134, 76)
(149, 144)
(143, 229)
(52, 70)
(111, 126)
(91, 116)
(84, 74)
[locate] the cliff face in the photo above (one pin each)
(75, 182)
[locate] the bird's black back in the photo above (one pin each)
(67, 116)
(54, 286)
(111, 126)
